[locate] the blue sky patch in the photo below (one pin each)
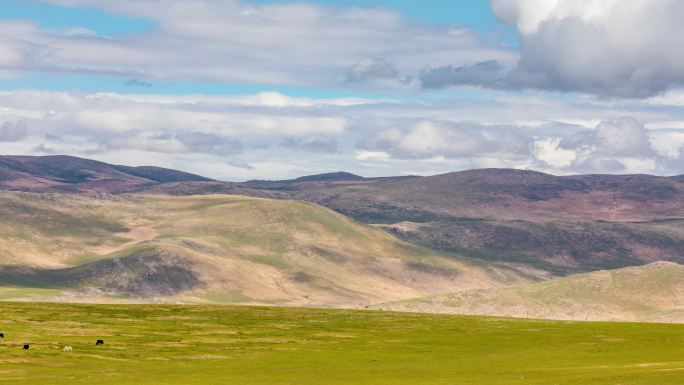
(59, 18)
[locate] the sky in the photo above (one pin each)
(275, 89)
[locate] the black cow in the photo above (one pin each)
(99, 342)
(2, 335)
(26, 347)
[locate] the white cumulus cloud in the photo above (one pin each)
(624, 48)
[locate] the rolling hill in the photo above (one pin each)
(95, 232)
(215, 248)
(650, 293)
(562, 225)
(553, 225)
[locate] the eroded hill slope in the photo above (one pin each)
(216, 248)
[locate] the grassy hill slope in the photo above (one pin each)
(653, 292)
(215, 248)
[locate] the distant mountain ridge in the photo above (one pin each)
(339, 177)
(60, 173)
(63, 173)
(331, 177)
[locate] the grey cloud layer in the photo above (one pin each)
(601, 149)
(275, 136)
(12, 131)
(490, 74)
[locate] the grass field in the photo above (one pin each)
(164, 344)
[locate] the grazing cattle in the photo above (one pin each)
(26, 347)
(99, 342)
(67, 349)
(2, 335)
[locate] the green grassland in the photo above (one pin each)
(199, 344)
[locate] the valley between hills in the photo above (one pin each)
(493, 242)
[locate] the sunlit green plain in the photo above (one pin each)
(168, 344)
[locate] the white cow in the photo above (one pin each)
(67, 349)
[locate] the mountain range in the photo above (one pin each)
(71, 226)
